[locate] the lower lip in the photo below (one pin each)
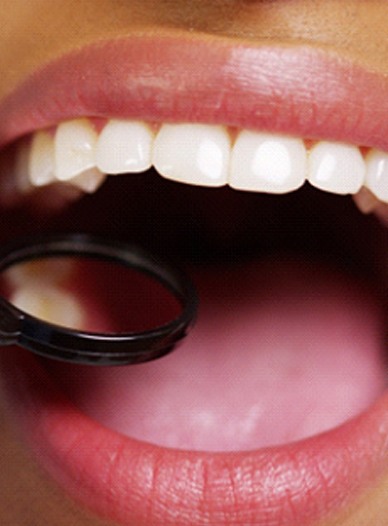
(138, 483)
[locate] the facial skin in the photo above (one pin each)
(34, 32)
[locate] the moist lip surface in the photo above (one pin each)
(298, 91)
(293, 484)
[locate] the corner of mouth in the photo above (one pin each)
(290, 484)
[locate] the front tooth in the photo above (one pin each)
(124, 147)
(42, 159)
(193, 153)
(336, 167)
(75, 148)
(263, 162)
(377, 174)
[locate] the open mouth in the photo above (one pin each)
(287, 360)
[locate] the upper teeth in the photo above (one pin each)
(201, 154)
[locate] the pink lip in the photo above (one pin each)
(297, 91)
(138, 483)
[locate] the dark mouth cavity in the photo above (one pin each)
(189, 225)
(222, 229)
(196, 225)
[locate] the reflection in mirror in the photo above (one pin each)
(88, 294)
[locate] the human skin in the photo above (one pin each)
(36, 32)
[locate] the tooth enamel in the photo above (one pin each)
(377, 174)
(75, 148)
(42, 159)
(264, 162)
(199, 154)
(49, 304)
(124, 147)
(89, 181)
(193, 153)
(336, 167)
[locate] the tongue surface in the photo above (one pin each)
(281, 351)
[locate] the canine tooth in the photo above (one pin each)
(124, 147)
(193, 153)
(89, 181)
(336, 167)
(377, 174)
(75, 148)
(263, 162)
(49, 304)
(42, 159)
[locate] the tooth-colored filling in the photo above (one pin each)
(199, 154)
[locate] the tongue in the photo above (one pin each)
(281, 351)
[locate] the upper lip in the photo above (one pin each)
(300, 91)
(296, 90)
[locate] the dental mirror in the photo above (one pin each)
(94, 301)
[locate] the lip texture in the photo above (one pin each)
(296, 90)
(138, 483)
(301, 91)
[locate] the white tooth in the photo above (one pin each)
(75, 148)
(49, 304)
(124, 147)
(377, 174)
(89, 181)
(263, 162)
(193, 153)
(42, 159)
(336, 167)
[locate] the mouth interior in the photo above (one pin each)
(289, 341)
